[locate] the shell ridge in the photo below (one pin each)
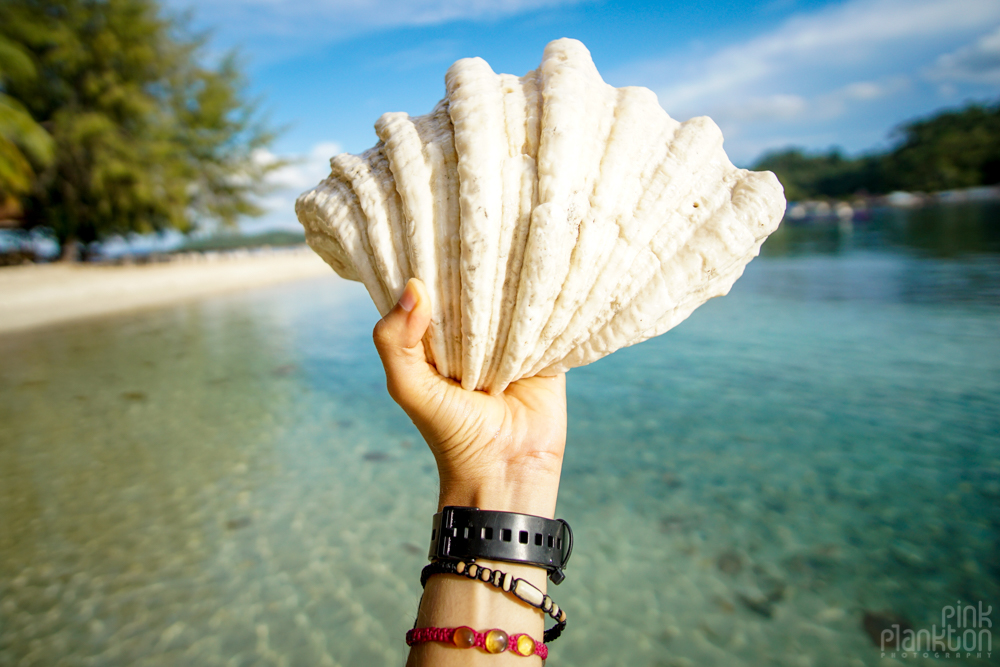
(610, 337)
(358, 171)
(532, 113)
(689, 160)
(623, 160)
(393, 209)
(308, 211)
(438, 137)
(738, 245)
(644, 285)
(522, 106)
(718, 285)
(518, 175)
(325, 245)
(745, 198)
(340, 207)
(588, 352)
(354, 239)
(405, 153)
(512, 275)
(516, 118)
(665, 251)
(480, 136)
(570, 147)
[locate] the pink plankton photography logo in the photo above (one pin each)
(966, 631)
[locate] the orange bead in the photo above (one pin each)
(496, 641)
(525, 645)
(464, 637)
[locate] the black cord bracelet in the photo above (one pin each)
(520, 588)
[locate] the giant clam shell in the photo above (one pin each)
(553, 218)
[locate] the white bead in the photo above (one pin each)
(528, 593)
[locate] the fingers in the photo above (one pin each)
(397, 339)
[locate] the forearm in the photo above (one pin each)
(495, 452)
(451, 601)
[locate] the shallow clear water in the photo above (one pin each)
(227, 482)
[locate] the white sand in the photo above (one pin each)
(37, 295)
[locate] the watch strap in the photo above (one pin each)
(468, 533)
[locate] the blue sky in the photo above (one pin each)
(773, 74)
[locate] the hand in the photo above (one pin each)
(493, 452)
(499, 452)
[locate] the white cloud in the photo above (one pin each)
(301, 24)
(863, 90)
(845, 36)
(828, 76)
(978, 62)
(791, 107)
(302, 173)
(838, 101)
(782, 107)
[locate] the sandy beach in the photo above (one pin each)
(38, 295)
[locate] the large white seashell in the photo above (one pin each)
(553, 218)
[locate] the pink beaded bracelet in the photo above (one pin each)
(492, 641)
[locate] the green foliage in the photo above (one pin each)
(955, 149)
(146, 136)
(21, 137)
(824, 175)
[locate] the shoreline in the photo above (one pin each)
(38, 295)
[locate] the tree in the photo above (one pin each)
(20, 135)
(146, 135)
(954, 149)
(823, 175)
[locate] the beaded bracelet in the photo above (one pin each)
(505, 581)
(492, 641)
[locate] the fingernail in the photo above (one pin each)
(409, 298)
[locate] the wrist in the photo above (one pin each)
(525, 491)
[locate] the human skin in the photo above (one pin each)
(500, 452)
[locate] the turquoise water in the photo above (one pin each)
(227, 482)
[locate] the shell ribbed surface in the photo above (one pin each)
(553, 218)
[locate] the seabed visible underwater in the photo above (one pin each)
(228, 483)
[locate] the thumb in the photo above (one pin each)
(397, 338)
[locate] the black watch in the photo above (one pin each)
(468, 533)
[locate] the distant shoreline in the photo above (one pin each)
(37, 295)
